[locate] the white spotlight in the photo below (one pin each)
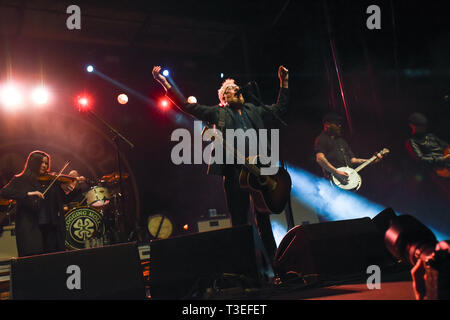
(122, 98)
(192, 99)
(40, 95)
(10, 96)
(89, 68)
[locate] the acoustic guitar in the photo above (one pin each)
(270, 194)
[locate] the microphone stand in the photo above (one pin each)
(116, 139)
(258, 100)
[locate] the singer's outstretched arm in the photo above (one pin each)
(209, 114)
(281, 106)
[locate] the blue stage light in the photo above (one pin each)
(165, 73)
(89, 68)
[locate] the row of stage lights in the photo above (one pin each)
(13, 96)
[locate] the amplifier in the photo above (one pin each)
(214, 224)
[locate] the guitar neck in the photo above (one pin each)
(251, 167)
(365, 164)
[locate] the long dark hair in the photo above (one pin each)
(33, 164)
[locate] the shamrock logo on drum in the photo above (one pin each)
(82, 223)
(84, 229)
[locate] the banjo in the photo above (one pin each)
(354, 179)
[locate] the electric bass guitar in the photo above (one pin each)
(270, 194)
(354, 180)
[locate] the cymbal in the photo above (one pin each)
(6, 202)
(114, 177)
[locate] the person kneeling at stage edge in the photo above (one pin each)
(238, 115)
(430, 171)
(40, 225)
(430, 151)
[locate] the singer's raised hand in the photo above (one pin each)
(283, 75)
(159, 77)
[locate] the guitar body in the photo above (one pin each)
(354, 179)
(444, 172)
(270, 194)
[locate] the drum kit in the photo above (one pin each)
(94, 220)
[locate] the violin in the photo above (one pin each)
(67, 180)
(63, 178)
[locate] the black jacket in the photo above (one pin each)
(428, 149)
(29, 216)
(258, 116)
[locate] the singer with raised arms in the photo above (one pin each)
(235, 113)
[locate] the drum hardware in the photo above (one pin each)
(97, 197)
(101, 203)
(159, 226)
(114, 177)
(10, 211)
(116, 138)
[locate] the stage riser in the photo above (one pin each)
(177, 263)
(331, 248)
(110, 272)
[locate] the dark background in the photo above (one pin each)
(385, 75)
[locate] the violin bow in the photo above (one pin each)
(59, 174)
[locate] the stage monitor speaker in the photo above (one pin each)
(110, 272)
(330, 248)
(178, 263)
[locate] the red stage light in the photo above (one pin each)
(164, 103)
(83, 102)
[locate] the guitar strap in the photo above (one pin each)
(221, 122)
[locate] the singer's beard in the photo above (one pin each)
(235, 105)
(237, 102)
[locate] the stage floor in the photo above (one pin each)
(394, 285)
(398, 290)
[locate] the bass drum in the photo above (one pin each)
(82, 223)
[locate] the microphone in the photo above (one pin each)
(243, 88)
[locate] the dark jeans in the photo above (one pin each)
(238, 202)
(49, 238)
(38, 240)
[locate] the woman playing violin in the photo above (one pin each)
(40, 225)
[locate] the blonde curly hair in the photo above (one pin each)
(221, 92)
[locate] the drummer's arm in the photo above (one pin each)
(75, 188)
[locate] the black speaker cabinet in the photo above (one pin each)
(110, 272)
(177, 263)
(330, 248)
